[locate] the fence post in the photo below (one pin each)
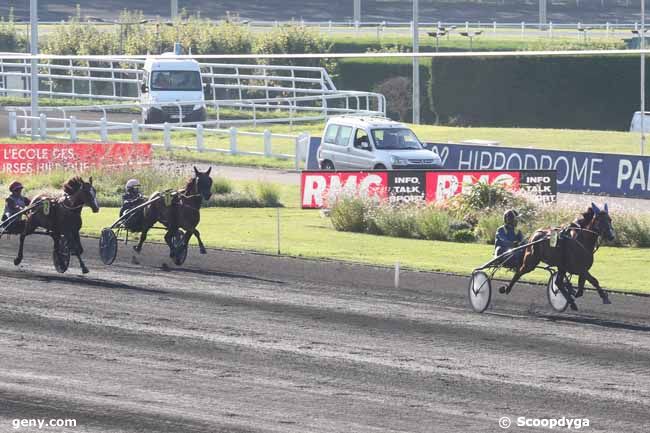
(134, 131)
(103, 132)
(523, 28)
(167, 140)
(494, 27)
(233, 140)
(43, 125)
(550, 29)
(199, 138)
(73, 129)
(13, 124)
(467, 26)
(267, 143)
(607, 29)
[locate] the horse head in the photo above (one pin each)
(203, 183)
(602, 222)
(82, 193)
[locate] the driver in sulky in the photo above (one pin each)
(508, 237)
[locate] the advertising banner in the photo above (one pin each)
(34, 158)
(319, 189)
(578, 172)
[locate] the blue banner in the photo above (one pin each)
(580, 172)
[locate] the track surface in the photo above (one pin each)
(132, 348)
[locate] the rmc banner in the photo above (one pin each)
(595, 173)
(319, 189)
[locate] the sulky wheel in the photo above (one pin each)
(479, 291)
(61, 255)
(555, 297)
(107, 246)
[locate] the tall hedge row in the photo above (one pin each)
(550, 92)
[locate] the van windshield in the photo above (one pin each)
(395, 138)
(176, 80)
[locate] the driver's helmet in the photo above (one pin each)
(510, 217)
(133, 185)
(15, 186)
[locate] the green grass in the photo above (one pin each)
(305, 233)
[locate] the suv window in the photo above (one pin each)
(330, 134)
(343, 137)
(360, 136)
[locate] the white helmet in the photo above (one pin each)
(132, 184)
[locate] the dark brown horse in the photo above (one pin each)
(62, 216)
(181, 213)
(574, 254)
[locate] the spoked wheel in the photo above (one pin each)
(61, 255)
(555, 297)
(179, 249)
(479, 291)
(108, 246)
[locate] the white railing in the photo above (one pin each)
(70, 128)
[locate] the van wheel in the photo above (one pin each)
(327, 165)
(379, 167)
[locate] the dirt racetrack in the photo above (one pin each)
(239, 342)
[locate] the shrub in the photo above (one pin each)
(234, 199)
(464, 235)
(633, 230)
(487, 226)
(221, 185)
(293, 40)
(11, 40)
(348, 214)
(434, 224)
(396, 221)
(268, 194)
(397, 91)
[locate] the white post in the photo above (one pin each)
(174, 9)
(397, 275)
(416, 62)
(199, 138)
(13, 124)
(523, 28)
(233, 140)
(467, 26)
(357, 13)
(73, 129)
(103, 132)
(267, 143)
(278, 228)
(642, 91)
(550, 29)
(134, 131)
(607, 29)
(494, 28)
(43, 125)
(33, 20)
(167, 139)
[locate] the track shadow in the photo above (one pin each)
(606, 323)
(78, 281)
(225, 275)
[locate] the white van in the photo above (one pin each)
(169, 81)
(635, 125)
(372, 143)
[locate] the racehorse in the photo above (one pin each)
(62, 216)
(573, 254)
(181, 213)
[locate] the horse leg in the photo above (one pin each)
(581, 285)
(594, 282)
(198, 238)
(19, 258)
(528, 264)
(79, 251)
(559, 282)
(143, 237)
(168, 240)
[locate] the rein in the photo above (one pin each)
(598, 240)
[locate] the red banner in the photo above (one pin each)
(319, 188)
(34, 158)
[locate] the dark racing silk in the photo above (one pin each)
(14, 204)
(507, 237)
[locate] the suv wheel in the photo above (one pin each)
(379, 167)
(327, 165)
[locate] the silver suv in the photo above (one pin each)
(372, 143)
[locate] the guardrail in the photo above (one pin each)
(71, 127)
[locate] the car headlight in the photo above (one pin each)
(398, 161)
(197, 107)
